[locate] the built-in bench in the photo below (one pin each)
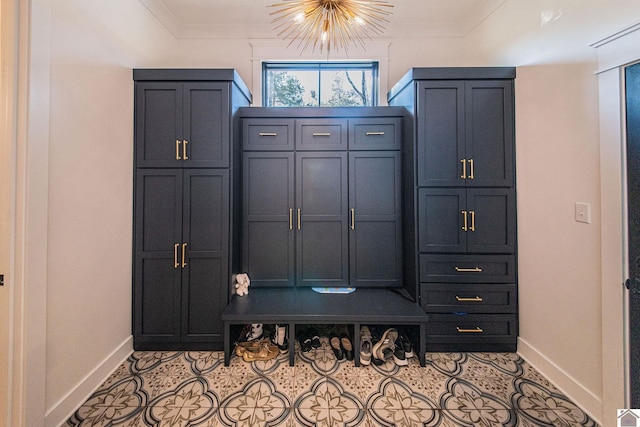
(303, 306)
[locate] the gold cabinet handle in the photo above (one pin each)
(298, 219)
(178, 150)
(268, 134)
(469, 299)
(469, 270)
(464, 168)
(322, 134)
(374, 134)
(473, 221)
(464, 220)
(477, 330)
(176, 264)
(353, 219)
(184, 149)
(184, 250)
(290, 219)
(471, 168)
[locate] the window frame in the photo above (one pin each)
(320, 66)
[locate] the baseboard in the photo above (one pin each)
(64, 408)
(578, 394)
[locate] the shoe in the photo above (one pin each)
(365, 346)
(398, 354)
(407, 346)
(346, 346)
(315, 342)
(336, 347)
(255, 333)
(305, 343)
(241, 347)
(280, 339)
(383, 349)
(266, 351)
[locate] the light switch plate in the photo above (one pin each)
(583, 212)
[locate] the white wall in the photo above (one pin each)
(93, 47)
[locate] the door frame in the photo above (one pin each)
(614, 54)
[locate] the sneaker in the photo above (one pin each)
(255, 333)
(399, 355)
(366, 346)
(383, 349)
(280, 339)
(407, 346)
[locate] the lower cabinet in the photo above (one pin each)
(472, 302)
(181, 257)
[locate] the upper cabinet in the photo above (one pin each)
(465, 133)
(185, 123)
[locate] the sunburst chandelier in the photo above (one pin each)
(330, 24)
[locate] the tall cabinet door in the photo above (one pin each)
(322, 239)
(158, 216)
(269, 218)
(205, 128)
(441, 138)
(375, 219)
(489, 133)
(158, 121)
(204, 255)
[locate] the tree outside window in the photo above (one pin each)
(320, 84)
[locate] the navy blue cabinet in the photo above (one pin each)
(184, 205)
(460, 200)
(322, 201)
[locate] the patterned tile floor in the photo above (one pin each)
(455, 389)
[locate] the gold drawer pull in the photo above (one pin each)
(375, 134)
(477, 330)
(322, 134)
(464, 168)
(473, 299)
(353, 219)
(469, 270)
(184, 250)
(471, 168)
(176, 264)
(268, 134)
(178, 150)
(184, 149)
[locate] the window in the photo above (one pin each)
(319, 84)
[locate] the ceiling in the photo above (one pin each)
(251, 19)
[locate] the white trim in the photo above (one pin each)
(614, 52)
(269, 50)
(619, 49)
(572, 388)
(65, 407)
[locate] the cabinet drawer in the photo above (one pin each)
(321, 134)
(472, 328)
(467, 268)
(470, 298)
(268, 134)
(382, 133)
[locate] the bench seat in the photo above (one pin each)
(303, 306)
